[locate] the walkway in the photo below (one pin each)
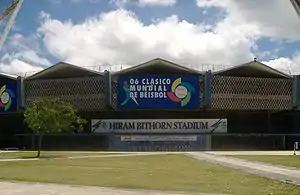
(264, 153)
(87, 156)
(22, 188)
(282, 173)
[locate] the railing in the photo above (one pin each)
(199, 67)
(104, 141)
(253, 141)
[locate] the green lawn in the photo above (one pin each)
(161, 172)
(293, 161)
(47, 154)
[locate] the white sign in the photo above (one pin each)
(159, 125)
(158, 138)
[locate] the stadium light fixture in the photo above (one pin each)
(296, 5)
(12, 11)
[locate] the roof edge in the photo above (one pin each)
(9, 76)
(262, 64)
(36, 75)
(154, 61)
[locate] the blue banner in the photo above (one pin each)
(148, 92)
(8, 97)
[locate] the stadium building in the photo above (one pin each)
(159, 105)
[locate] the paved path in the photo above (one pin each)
(86, 156)
(276, 153)
(22, 188)
(282, 173)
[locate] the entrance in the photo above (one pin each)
(159, 146)
(164, 142)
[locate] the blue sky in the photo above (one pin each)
(107, 33)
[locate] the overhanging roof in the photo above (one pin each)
(8, 76)
(63, 70)
(156, 64)
(253, 69)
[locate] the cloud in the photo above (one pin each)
(32, 56)
(157, 2)
(22, 55)
(287, 65)
(18, 67)
(75, 1)
(277, 19)
(142, 3)
(55, 1)
(72, 1)
(120, 37)
(120, 3)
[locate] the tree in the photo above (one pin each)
(52, 116)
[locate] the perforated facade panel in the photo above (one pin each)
(85, 93)
(249, 93)
(114, 90)
(201, 83)
(241, 93)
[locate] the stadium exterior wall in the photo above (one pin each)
(250, 104)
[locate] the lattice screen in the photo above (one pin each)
(227, 92)
(201, 83)
(83, 93)
(251, 93)
(114, 91)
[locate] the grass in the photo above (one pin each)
(161, 172)
(47, 154)
(292, 161)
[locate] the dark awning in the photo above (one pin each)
(253, 69)
(63, 70)
(158, 66)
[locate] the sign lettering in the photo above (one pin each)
(158, 92)
(160, 125)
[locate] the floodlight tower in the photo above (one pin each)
(11, 11)
(296, 5)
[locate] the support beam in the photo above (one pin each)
(207, 90)
(108, 89)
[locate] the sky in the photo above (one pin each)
(115, 34)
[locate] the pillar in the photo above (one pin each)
(296, 91)
(107, 91)
(20, 94)
(207, 89)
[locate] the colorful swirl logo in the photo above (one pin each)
(181, 92)
(6, 96)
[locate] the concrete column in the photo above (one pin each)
(208, 142)
(20, 94)
(295, 122)
(296, 103)
(296, 91)
(269, 118)
(108, 92)
(207, 89)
